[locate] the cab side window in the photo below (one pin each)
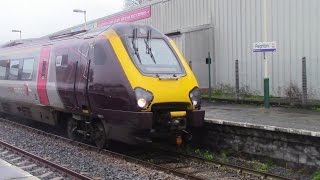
(100, 55)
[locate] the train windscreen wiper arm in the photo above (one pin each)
(149, 51)
(136, 50)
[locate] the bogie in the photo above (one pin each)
(86, 129)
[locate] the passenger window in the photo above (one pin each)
(14, 69)
(27, 69)
(3, 69)
(62, 61)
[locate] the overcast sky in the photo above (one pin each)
(41, 17)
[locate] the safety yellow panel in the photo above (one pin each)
(178, 114)
(164, 91)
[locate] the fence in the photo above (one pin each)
(294, 95)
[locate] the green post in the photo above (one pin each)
(209, 68)
(266, 93)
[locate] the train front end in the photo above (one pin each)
(164, 87)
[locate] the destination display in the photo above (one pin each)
(131, 16)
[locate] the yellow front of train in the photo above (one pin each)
(161, 79)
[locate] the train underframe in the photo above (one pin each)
(124, 126)
(133, 127)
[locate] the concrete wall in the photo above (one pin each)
(294, 148)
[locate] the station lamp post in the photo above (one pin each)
(85, 16)
(19, 31)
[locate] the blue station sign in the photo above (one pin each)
(265, 46)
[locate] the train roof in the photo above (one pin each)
(55, 38)
(121, 28)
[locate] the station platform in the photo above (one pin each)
(11, 172)
(287, 120)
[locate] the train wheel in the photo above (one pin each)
(99, 135)
(71, 129)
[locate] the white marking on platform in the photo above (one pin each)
(265, 127)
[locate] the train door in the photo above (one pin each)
(42, 75)
(197, 47)
(82, 78)
(66, 69)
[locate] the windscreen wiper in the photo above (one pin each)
(148, 46)
(134, 40)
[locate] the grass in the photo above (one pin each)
(225, 154)
(207, 155)
(264, 167)
(204, 154)
(316, 175)
(198, 152)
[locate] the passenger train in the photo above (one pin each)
(125, 82)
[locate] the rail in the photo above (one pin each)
(239, 169)
(60, 169)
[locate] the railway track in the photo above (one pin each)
(35, 165)
(194, 164)
(166, 161)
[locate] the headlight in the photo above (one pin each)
(143, 97)
(195, 97)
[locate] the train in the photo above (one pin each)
(123, 82)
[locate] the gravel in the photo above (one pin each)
(78, 159)
(246, 161)
(273, 168)
(243, 160)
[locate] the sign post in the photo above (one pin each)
(265, 47)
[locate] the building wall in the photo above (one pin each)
(172, 15)
(294, 24)
(196, 51)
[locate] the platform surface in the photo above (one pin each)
(289, 120)
(11, 172)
